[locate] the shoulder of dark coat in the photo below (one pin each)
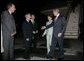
(62, 16)
(5, 12)
(24, 21)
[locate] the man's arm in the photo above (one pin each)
(6, 21)
(24, 30)
(36, 26)
(45, 30)
(63, 22)
(48, 26)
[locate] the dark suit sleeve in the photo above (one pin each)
(13, 26)
(36, 25)
(48, 26)
(6, 21)
(24, 30)
(63, 23)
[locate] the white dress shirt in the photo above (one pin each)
(9, 11)
(27, 20)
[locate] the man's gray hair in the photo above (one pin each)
(57, 10)
(9, 5)
(27, 14)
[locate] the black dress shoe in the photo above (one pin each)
(49, 57)
(60, 58)
(26, 57)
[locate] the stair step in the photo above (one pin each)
(71, 37)
(71, 33)
(72, 25)
(72, 28)
(76, 23)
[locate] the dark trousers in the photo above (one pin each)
(27, 48)
(53, 46)
(34, 42)
(8, 44)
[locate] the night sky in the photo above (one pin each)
(32, 6)
(24, 6)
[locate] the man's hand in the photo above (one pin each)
(32, 37)
(33, 32)
(27, 39)
(43, 27)
(13, 33)
(36, 31)
(59, 34)
(43, 35)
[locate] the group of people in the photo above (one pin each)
(54, 31)
(8, 30)
(30, 30)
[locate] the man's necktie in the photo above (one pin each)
(55, 19)
(12, 17)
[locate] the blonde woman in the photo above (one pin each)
(2, 50)
(48, 33)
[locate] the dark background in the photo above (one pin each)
(33, 6)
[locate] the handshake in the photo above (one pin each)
(43, 27)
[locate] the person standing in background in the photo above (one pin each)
(59, 26)
(48, 33)
(35, 31)
(9, 30)
(27, 29)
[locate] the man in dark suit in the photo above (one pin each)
(35, 31)
(9, 30)
(59, 26)
(27, 28)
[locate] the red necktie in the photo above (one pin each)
(55, 19)
(12, 17)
